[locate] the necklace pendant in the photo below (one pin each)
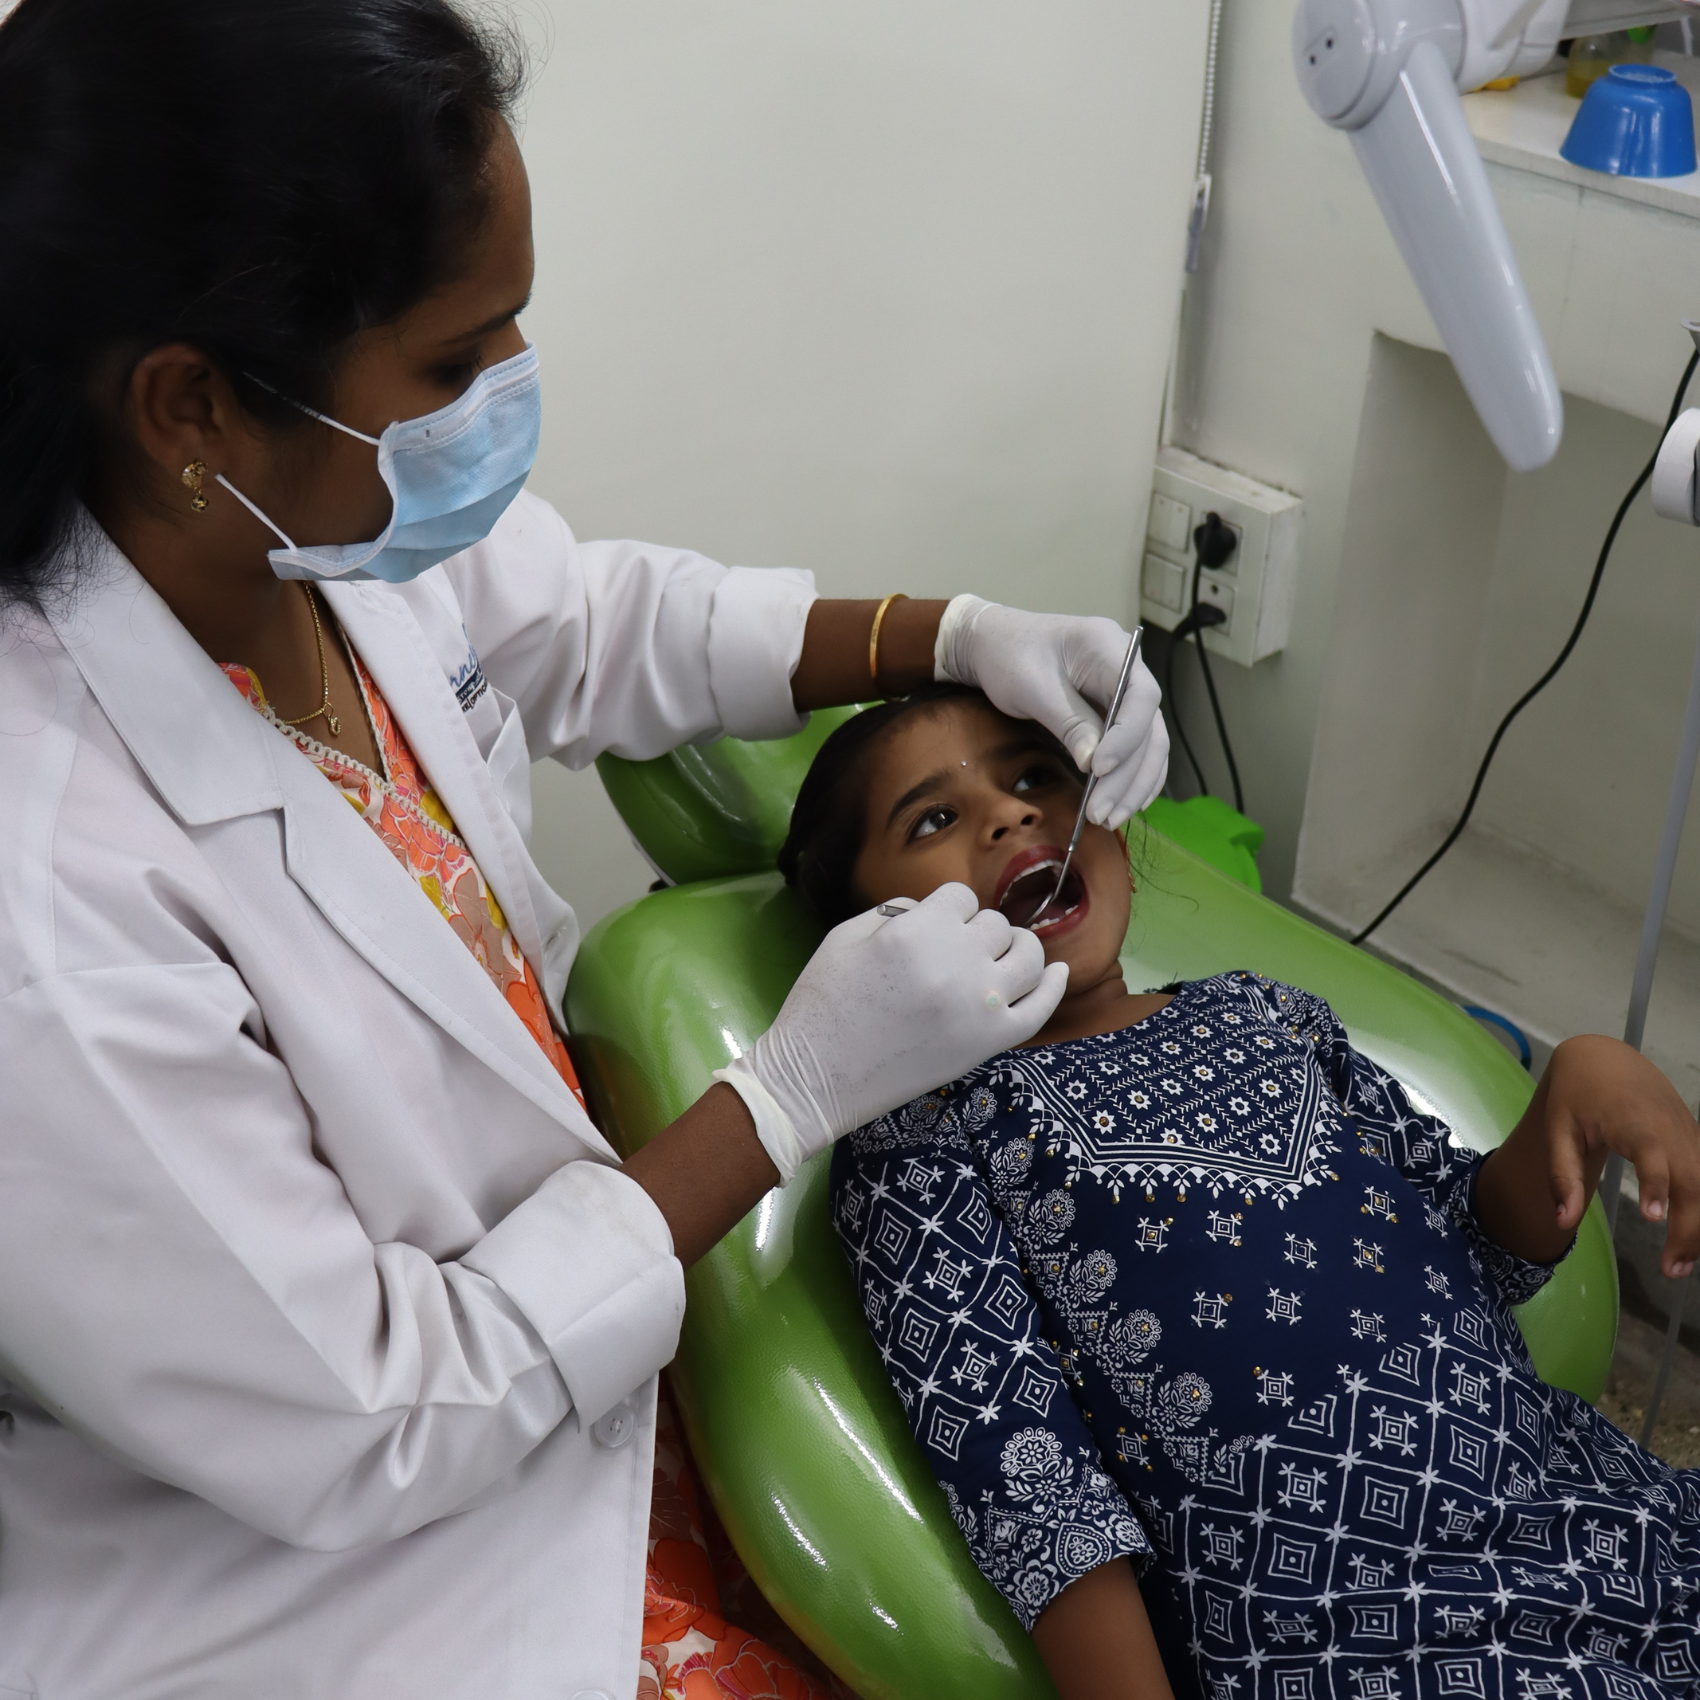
(332, 721)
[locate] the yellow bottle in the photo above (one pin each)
(1591, 56)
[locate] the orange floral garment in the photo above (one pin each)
(690, 1652)
(409, 816)
(694, 1579)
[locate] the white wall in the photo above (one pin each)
(885, 291)
(1461, 584)
(1587, 779)
(1396, 743)
(1298, 273)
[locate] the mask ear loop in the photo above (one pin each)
(258, 512)
(312, 413)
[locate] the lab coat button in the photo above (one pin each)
(613, 1431)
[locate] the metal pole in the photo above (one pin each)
(1658, 900)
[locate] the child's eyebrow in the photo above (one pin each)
(1031, 744)
(915, 792)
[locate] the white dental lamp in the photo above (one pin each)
(1388, 73)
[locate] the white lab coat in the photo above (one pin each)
(328, 1328)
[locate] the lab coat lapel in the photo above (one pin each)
(212, 758)
(356, 883)
(206, 752)
(387, 638)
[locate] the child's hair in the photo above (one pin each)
(829, 819)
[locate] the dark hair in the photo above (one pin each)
(829, 820)
(262, 178)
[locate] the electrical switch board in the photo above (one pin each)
(1253, 586)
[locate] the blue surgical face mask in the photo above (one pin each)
(450, 474)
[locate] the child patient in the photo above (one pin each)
(1188, 1290)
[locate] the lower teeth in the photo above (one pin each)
(1041, 904)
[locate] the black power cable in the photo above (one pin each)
(1177, 637)
(1214, 541)
(1547, 677)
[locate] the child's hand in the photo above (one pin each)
(1596, 1097)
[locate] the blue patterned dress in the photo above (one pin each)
(1209, 1292)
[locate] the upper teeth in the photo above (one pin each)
(1038, 870)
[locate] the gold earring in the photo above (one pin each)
(192, 475)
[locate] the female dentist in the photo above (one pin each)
(329, 1323)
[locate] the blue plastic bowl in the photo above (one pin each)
(1635, 121)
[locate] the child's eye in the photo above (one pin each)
(934, 820)
(1035, 778)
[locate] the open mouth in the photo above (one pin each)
(1027, 902)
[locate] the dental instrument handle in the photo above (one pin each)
(1092, 778)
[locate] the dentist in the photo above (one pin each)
(329, 1323)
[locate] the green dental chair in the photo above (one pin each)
(799, 1439)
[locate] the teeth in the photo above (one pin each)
(1038, 880)
(1034, 872)
(1050, 915)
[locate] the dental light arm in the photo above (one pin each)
(1388, 73)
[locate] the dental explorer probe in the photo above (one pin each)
(1092, 778)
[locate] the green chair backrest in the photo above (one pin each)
(801, 1442)
(706, 811)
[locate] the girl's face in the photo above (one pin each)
(961, 792)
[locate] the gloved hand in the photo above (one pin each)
(889, 1008)
(1061, 670)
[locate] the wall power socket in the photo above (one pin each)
(1253, 587)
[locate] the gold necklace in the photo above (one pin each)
(324, 707)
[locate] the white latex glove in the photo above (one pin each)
(889, 1008)
(1054, 668)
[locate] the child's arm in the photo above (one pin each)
(1526, 1199)
(966, 1348)
(1597, 1096)
(1096, 1640)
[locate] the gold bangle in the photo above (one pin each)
(874, 634)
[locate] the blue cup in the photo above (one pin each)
(1635, 121)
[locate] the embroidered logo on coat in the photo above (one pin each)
(468, 681)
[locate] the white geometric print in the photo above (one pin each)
(1335, 1492)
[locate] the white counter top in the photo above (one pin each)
(1525, 126)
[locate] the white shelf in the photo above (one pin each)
(1499, 926)
(1524, 127)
